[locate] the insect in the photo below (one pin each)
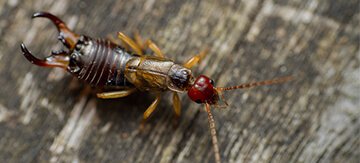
(103, 63)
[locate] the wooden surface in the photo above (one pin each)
(47, 116)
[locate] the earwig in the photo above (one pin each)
(103, 63)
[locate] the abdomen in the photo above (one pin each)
(105, 64)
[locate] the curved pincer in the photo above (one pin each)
(66, 36)
(58, 60)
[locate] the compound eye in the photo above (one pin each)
(184, 72)
(212, 82)
(78, 47)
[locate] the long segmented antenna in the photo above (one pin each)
(213, 134)
(255, 84)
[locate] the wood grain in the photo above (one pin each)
(47, 116)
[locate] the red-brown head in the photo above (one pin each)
(204, 91)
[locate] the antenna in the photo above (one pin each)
(255, 84)
(213, 133)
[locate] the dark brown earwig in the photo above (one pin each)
(101, 62)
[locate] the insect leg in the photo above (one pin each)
(117, 41)
(139, 40)
(177, 108)
(150, 109)
(154, 48)
(196, 59)
(148, 44)
(116, 94)
(131, 43)
(176, 104)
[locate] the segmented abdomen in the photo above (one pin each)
(106, 64)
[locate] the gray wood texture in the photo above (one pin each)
(47, 116)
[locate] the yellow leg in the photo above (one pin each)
(139, 40)
(116, 94)
(131, 43)
(176, 104)
(149, 111)
(112, 39)
(154, 48)
(151, 108)
(148, 44)
(195, 59)
(116, 41)
(177, 109)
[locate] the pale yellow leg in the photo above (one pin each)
(113, 39)
(151, 108)
(148, 44)
(176, 104)
(131, 43)
(154, 48)
(177, 109)
(149, 111)
(118, 42)
(139, 40)
(116, 94)
(195, 59)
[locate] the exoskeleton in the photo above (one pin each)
(103, 63)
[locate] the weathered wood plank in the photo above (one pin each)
(46, 116)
